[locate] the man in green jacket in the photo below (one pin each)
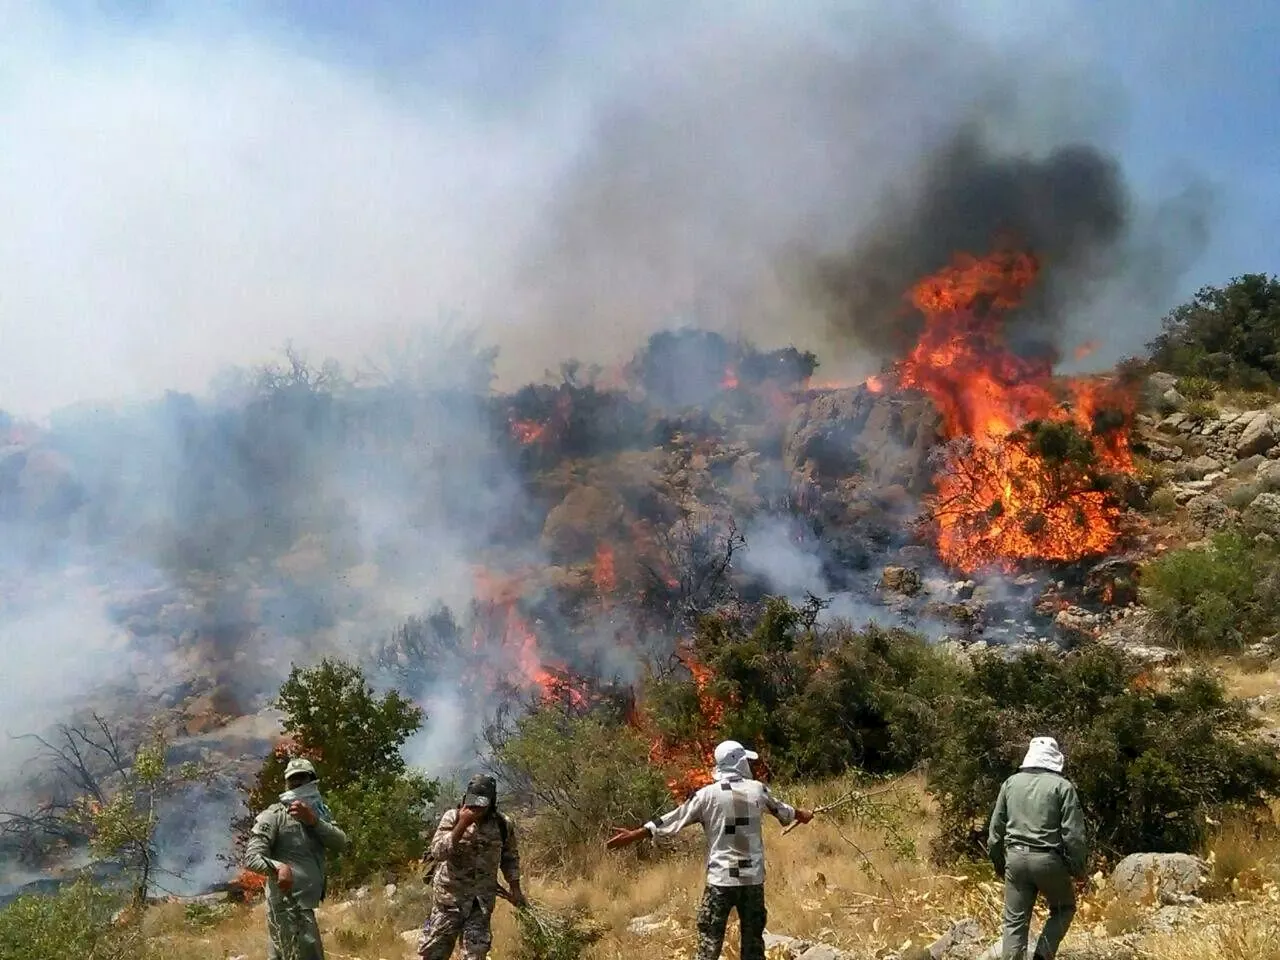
(1037, 843)
(288, 843)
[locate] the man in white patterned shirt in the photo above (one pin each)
(731, 810)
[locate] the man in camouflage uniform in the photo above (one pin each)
(287, 844)
(731, 811)
(471, 845)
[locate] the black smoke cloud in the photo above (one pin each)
(1070, 208)
(791, 186)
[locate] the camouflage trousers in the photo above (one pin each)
(713, 916)
(449, 920)
(292, 931)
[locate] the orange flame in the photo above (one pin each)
(996, 501)
(527, 431)
(603, 574)
(874, 385)
(730, 379)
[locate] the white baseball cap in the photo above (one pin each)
(729, 750)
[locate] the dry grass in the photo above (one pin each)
(817, 889)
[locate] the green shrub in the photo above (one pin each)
(580, 774)
(1226, 334)
(1164, 502)
(825, 701)
(1201, 411)
(333, 717)
(74, 922)
(1197, 388)
(1152, 765)
(1217, 597)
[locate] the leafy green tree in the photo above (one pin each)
(333, 716)
(1227, 334)
(123, 826)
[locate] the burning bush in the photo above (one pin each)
(1215, 597)
(1152, 762)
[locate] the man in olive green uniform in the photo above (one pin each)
(471, 845)
(287, 844)
(1037, 843)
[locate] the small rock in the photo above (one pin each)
(1159, 453)
(791, 947)
(1268, 475)
(647, 926)
(1199, 468)
(1173, 423)
(1171, 877)
(1257, 437)
(821, 951)
(360, 893)
(389, 890)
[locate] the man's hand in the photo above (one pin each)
(284, 877)
(804, 816)
(466, 817)
(303, 813)
(624, 838)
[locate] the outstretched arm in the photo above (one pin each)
(667, 825)
(784, 812)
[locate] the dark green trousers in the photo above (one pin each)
(713, 916)
(1027, 874)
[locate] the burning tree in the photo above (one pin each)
(1021, 477)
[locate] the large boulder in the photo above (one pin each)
(1209, 513)
(1168, 878)
(1258, 436)
(1268, 476)
(1263, 514)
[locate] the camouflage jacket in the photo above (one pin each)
(278, 838)
(469, 868)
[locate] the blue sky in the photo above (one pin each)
(192, 185)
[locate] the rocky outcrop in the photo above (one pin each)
(885, 438)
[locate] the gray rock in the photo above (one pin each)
(1257, 437)
(1172, 398)
(389, 890)
(1172, 878)
(1159, 453)
(1158, 383)
(1199, 468)
(822, 951)
(964, 939)
(648, 925)
(1246, 467)
(1173, 422)
(1210, 513)
(1263, 514)
(791, 946)
(1268, 475)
